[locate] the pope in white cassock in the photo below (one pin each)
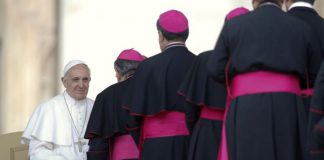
(55, 130)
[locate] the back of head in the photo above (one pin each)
(127, 62)
(173, 25)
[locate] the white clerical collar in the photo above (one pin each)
(72, 101)
(301, 4)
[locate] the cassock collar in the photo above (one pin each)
(268, 4)
(301, 4)
(174, 44)
(72, 102)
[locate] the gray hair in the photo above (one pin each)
(126, 68)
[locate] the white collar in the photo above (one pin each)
(301, 4)
(71, 101)
(174, 44)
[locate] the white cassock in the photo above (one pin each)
(51, 132)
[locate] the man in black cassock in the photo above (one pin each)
(154, 97)
(111, 131)
(209, 100)
(262, 57)
(304, 10)
(316, 123)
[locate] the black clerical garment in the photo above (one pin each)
(202, 91)
(265, 125)
(109, 120)
(316, 121)
(156, 82)
(316, 22)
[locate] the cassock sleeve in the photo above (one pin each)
(217, 62)
(319, 131)
(316, 118)
(98, 143)
(98, 150)
(39, 150)
(314, 59)
(318, 137)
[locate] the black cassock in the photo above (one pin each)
(109, 120)
(316, 23)
(156, 82)
(272, 125)
(311, 17)
(316, 120)
(201, 91)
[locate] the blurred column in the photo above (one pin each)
(1, 37)
(28, 59)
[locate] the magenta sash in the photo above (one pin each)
(164, 124)
(264, 82)
(212, 114)
(254, 83)
(124, 147)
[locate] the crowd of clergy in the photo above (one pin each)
(257, 95)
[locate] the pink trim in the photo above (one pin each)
(212, 114)
(198, 103)
(169, 123)
(319, 128)
(317, 151)
(317, 111)
(307, 92)
(124, 147)
(253, 83)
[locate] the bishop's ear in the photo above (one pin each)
(161, 37)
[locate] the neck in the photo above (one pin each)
(125, 78)
(73, 100)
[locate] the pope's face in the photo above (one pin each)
(76, 81)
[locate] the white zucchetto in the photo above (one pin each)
(71, 64)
